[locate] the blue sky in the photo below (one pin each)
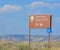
(14, 15)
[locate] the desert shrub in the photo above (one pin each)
(1, 47)
(24, 47)
(35, 48)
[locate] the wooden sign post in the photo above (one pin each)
(39, 21)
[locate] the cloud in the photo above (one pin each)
(56, 5)
(7, 8)
(56, 20)
(38, 4)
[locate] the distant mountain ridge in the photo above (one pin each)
(36, 38)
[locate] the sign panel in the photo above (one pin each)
(39, 21)
(49, 30)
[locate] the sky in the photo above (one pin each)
(14, 16)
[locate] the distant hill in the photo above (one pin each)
(36, 38)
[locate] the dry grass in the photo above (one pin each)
(10, 45)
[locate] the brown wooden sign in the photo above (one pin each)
(39, 21)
